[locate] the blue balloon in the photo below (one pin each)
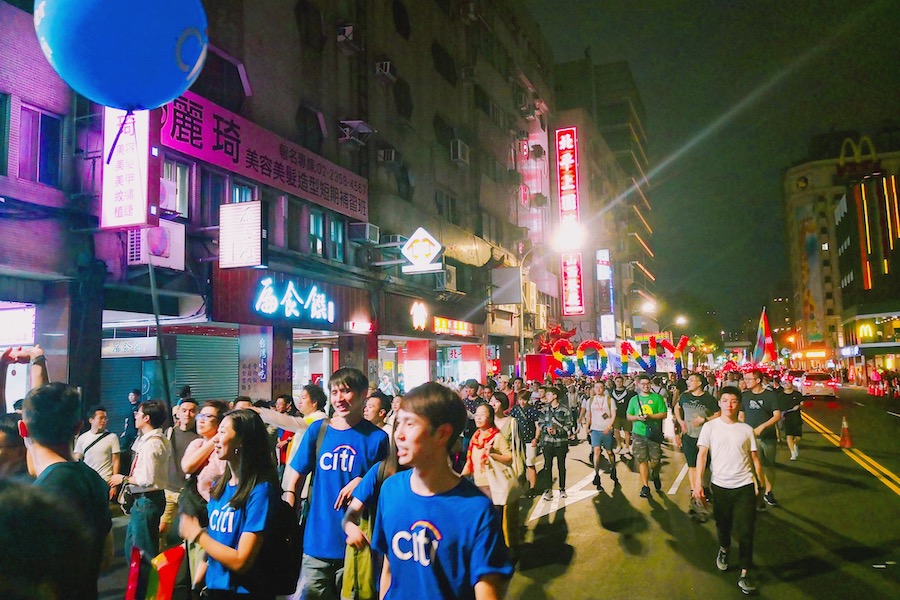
(127, 54)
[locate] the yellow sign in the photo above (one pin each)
(422, 250)
(856, 150)
(865, 331)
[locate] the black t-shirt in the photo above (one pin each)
(622, 397)
(80, 487)
(180, 440)
(759, 408)
(787, 402)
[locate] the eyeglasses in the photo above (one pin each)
(206, 417)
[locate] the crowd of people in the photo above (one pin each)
(397, 493)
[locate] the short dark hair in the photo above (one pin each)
(384, 401)
(352, 379)
(44, 532)
(730, 389)
(157, 411)
(286, 397)
(757, 374)
(473, 385)
(439, 405)
(220, 406)
(188, 399)
(51, 413)
(136, 392)
(317, 395)
(185, 392)
(97, 409)
(551, 388)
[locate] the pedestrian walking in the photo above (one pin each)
(601, 416)
(762, 410)
(556, 427)
(98, 447)
(791, 401)
(694, 408)
(622, 426)
(646, 412)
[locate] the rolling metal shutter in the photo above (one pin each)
(118, 376)
(210, 365)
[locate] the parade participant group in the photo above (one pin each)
(398, 491)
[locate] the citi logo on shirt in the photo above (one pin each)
(419, 544)
(339, 459)
(222, 520)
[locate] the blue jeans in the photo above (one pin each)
(143, 524)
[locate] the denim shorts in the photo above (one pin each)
(606, 441)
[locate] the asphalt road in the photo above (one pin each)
(836, 534)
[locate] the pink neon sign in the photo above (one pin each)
(567, 174)
(199, 128)
(126, 179)
(572, 278)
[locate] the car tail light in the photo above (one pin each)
(833, 383)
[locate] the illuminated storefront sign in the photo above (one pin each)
(242, 235)
(422, 250)
(289, 304)
(125, 199)
(419, 314)
(604, 284)
(607, 328)
(453, 327)
(201, 129)
(573, 293)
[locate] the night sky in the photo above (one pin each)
(733, 92)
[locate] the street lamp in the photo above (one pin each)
(569, 237)
(680, 320)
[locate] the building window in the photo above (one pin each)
(242, 192)
(336, 239)
(443, 63)
(40, 146)
(830, 312)
(176, 201)
(316, 232)
(212, 195)
(404, 182)
(447, 206)
(443, 131)
(403, 99)
(311, 25)
(223, 80)
(309, 128)
(401, 19)
(4, 132)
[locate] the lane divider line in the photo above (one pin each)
(893, 413)
(678, 480)
(880, 472)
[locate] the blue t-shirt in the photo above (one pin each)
(443, 543)
(366, 491)
(226, 526)
(344, 455)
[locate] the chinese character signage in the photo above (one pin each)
(567, 174)
(453, 353)
(453, 327)
(242, 235)
(573, 294)
(604, 283)
(125, 200)
(288, 302)
(422, 250)
(199, 128)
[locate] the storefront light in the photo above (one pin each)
(359, 326)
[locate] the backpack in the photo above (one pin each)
(276, 569)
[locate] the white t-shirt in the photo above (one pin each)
(602, 405)
(730, 445)
(99, 458)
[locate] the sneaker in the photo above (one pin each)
(657, 483)
(597, 479)
(548, 495)
(645, 492)
(793, 457)
(722, 560)
(748, 586)
(770, 499)
(761, 507)
(563, 494)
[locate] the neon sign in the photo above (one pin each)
(289, 304)
(567, 174)
(573, 292)
(453, 327)
(419, 314)
(125, 182)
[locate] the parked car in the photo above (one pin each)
(818, 383)
(794, 375)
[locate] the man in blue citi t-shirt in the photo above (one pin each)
(440, 535)
(350, 447)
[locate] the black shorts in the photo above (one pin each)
(689, 447)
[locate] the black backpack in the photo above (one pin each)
(277, 567)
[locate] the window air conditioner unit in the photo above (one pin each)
(386, 72)
(530, 297)
(349, 39)
(399, 240)
(446, 280)
(388, 156)
(459, 152)
(522, 101)
(364, 233)
(529, 112)
(163, 245)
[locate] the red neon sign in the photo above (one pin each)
(573, 292)
(567, 173)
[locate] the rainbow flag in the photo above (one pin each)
(764, 351)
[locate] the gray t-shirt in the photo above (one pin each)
(696, 406)
(759, 408)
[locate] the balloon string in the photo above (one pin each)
(118, 135)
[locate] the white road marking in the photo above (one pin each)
(678, 480)
(859, 403)
(543, 507)
(893, 413)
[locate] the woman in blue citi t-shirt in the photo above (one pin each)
(238, 505)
